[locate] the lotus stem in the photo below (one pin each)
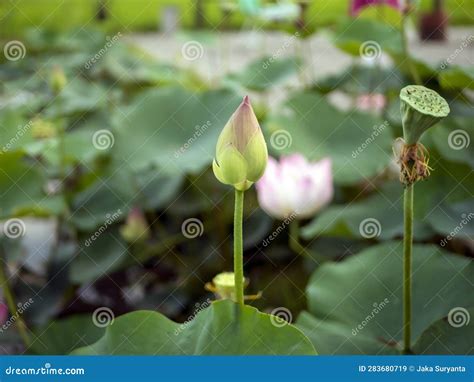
(407, 262)
(238, 248)
(294, 238)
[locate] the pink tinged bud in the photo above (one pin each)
(135, 228)
(241, 151)
(295, 187)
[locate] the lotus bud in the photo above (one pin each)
(58, 80)
(42, 129)
(421, 108)
(241, 151)
(135, 228)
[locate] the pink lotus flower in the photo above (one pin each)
(371, 102)
(358, 5)
(295, 186)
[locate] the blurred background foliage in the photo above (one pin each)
(146, 15)
(65, 188)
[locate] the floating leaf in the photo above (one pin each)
(266, 72)
(353, 36)
(457, 77)
(51, 339)
(450, 335)
(380, 217)
(362, 79)
(358, 144)
(173, 128)
(21, 183)
(222, 328)
(355, 306)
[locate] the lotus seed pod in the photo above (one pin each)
(241, 151)
(421, 108)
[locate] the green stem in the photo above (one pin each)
(407, 260)
(294, 238)
(12, 307)
(406, 53)
(238, 248)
